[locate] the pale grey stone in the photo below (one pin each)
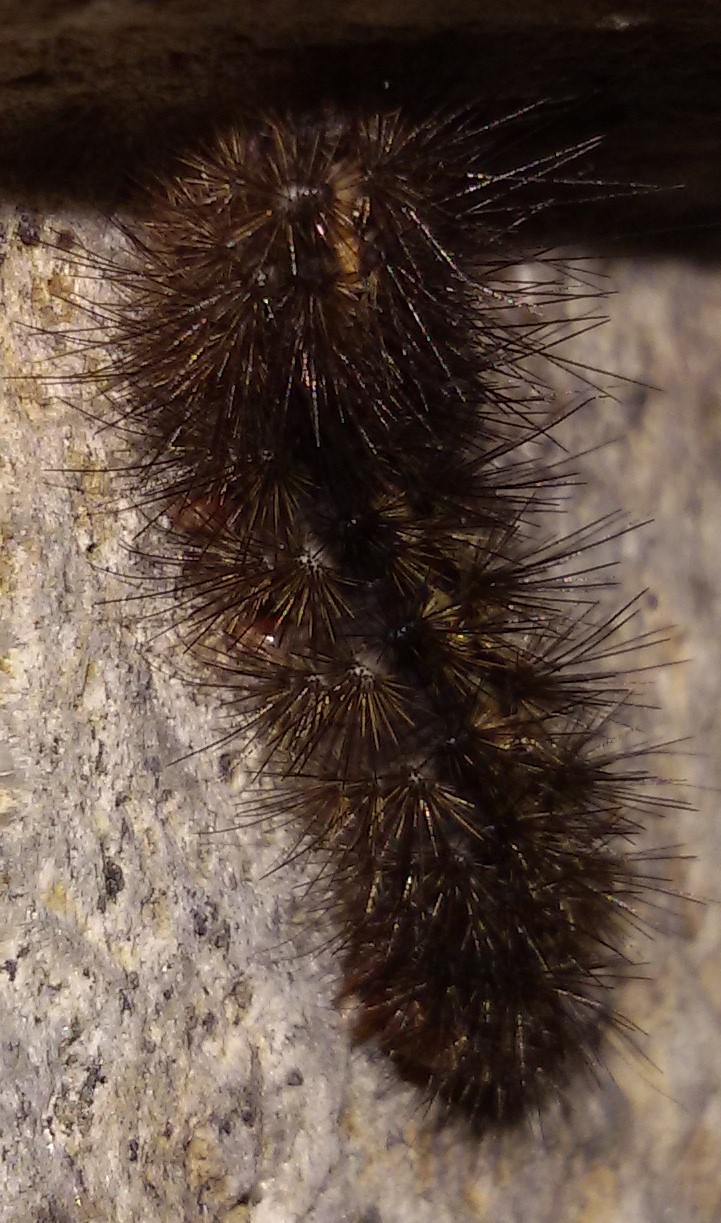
(169, 1045)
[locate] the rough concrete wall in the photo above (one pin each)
(169, 1047)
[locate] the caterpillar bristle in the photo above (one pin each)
(329, 375)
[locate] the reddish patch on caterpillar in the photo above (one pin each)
(324, 344)
(204, 520)
(203, 517)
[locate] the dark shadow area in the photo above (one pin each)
(652, 94)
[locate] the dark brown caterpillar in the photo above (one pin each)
(321, 352)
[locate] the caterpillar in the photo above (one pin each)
(328, 369)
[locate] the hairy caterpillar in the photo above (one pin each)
(321, 352)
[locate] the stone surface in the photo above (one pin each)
(169, 1048)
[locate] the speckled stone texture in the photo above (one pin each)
(169, 1048)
